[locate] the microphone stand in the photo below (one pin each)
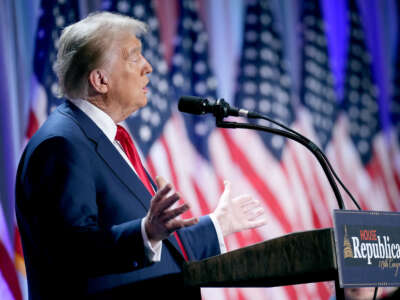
(223, 110)
(308, 144)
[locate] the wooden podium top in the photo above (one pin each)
(295, 258)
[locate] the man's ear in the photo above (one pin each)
(99, 81)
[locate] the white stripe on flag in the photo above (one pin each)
(5, 293)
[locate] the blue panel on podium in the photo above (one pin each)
(368, 248)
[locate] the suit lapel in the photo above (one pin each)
(115, 162)
(108, 153)
(122, 170)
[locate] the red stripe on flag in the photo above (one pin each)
(298, 223)
(241, 160)
(174, 176)
(226, 293)
(305, 186)
(7, 268)
(33, 124)
(348, 178)
(318, 183)
(241, 239)
(17, 242)
(151, 168)
(323, 290)
(290, 289)
(240, 295)
(389, 180)
(175, 183)
(396, 178)
(394, 167)
(205, 209)
(374, 168)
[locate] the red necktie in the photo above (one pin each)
(126, 142)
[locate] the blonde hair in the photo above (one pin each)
(85, 45)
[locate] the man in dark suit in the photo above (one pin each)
(93, 223)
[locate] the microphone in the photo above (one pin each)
(200, 106)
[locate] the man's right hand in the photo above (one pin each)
(162, 220)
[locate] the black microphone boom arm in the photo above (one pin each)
(305, 142)
(221, 109)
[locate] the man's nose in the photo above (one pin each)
(147, 68)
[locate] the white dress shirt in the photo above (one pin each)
(109, 128)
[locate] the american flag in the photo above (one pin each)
(9, 284)
(191, 73)
(196, 157)
(395, 110)
(263, 84)
(53, 17)
(316, 116)
(279, 171)
(362, 150)
(318, 110)
(317, 92)
(395, 104)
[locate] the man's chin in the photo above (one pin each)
(138, 106)
(143, 103)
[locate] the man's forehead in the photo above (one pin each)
(131, 45)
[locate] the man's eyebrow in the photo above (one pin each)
(135, 50)
(129, 52)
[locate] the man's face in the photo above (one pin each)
(128, 77)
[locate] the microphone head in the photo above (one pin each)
(193, 105)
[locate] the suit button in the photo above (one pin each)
(135, 264)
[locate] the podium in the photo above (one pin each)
(296, 258)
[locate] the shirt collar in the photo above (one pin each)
(99, 117)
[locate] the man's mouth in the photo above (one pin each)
(145, 88)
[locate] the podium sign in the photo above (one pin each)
(367, 248)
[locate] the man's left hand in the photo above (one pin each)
(240, 213)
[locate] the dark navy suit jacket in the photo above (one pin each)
(79, 207)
